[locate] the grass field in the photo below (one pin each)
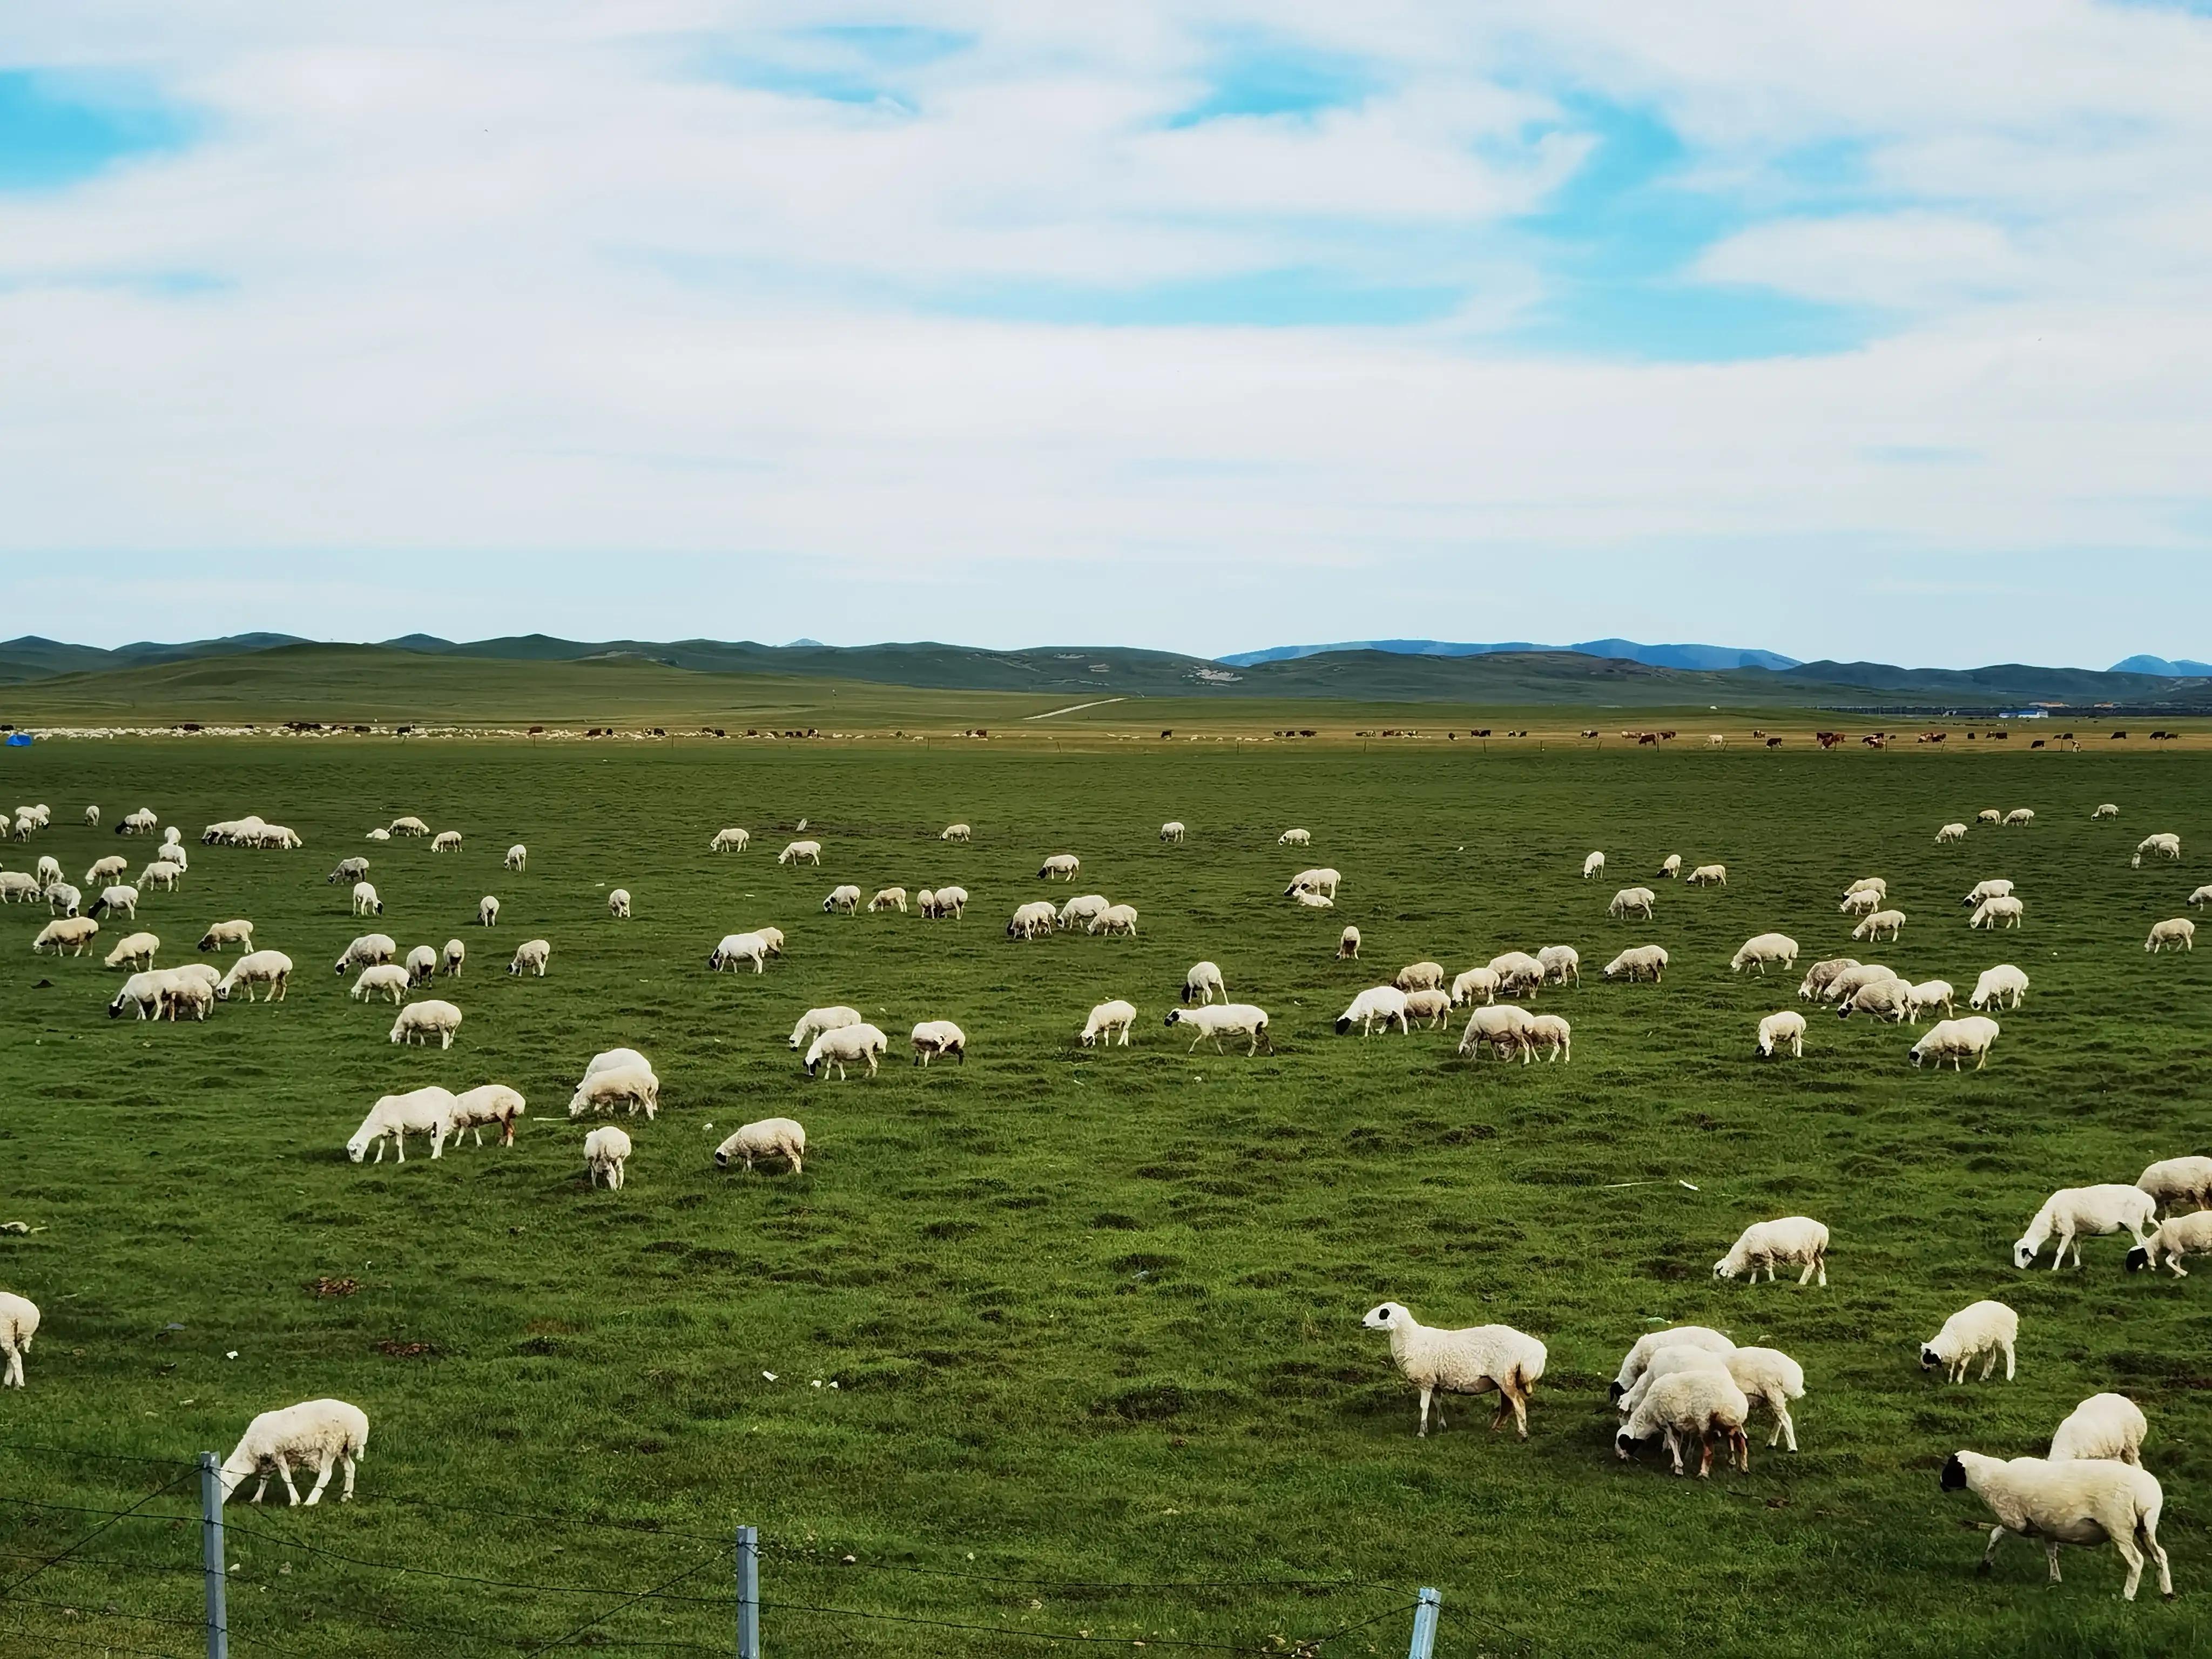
(1089, 1316)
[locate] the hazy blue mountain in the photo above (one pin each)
(2177, 667)
(1702, 657)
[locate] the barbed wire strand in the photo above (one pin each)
(601, 1618)
(1075, 1636)
(813, 1559)
(105, 1647)
(461, 1578)
(80, 1451)
(90, 1613)
(79, 1509)
(10, 1588)
(106, 1561)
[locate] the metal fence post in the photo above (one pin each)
(218, 1616)
(1424, 1625)
(749, 1644)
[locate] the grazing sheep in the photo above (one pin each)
(161, 876)
(1517, 971)
(63, 899)
(842, 901)
(888, 898)
(1707, 875)
(364, 900)
(19, 1324)
(1383, 1004)
(1061, 866)
(618, 904)
(49, 870)
(1955, 1039)
(1989, 815)
(1499, 1024)
(1650, 1344)
(74, 934)
(1171, 831)
(271, 968)
(633, 1086)
(2107, 1425)
(410, 825)
(1996, 887)
(1670, 866)
(1313, 900)
(1107, 1019)
(1592, 865)
(385, 977)
(1764, 1375)
(1633, 901)
(147, 992)
(801, 852)
(1475, 983)
(2107, 810)
(1793, 1239)
(1321, 882)
(1886, 999)
(620, 1060)
(2179, 931)
(1998, 984)
(1116, 919)
(2177, 1237)
(1419, 976)
(1763, 948)
(348, 871)
(140, 823)
(456, 953)
(1431, 1006)
(1561, 963)
(606, 1149)
(2198, 899)
(92, 818)
(934, 1039)
(1639, 961)
(752, 947)
(815, 1021)
(322, 1432)
(1787, 1026)
(1704, 1406)
(1993, 913)
(1475, 1360)
(1980, 1330)
(137, 949)
(1853, 980)
(2168, 844)
(948, 902)
(446, 841)
(1822, 974)
(2084, 1502)
(517, 856)
(1548, 1032)
(1225, 1019)
(1295, 838)
(419, 1021)
(366, 951)
(1661, 1362)
(847, 1045)
(106, 870)
(422, 964)
(1203, 984)
(730, 840)
(2074, 1213)
(1032, 921)
(171, 852)
(1347, 945)
(486, 911)
(427, 1111)
(2020, 815)
(772, 1137)
(487, 1103)
(379, 834)
(16, 888)
(1950, 832)
(531, 956)
(1930, 994)
(191, 988)
(112, 899)
(2172, 1181)
(1861, 903)
(955, 832)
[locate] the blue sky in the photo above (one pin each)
(1473, 320)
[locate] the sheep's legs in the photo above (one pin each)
(1989, 1555)
(1989, 1364)
(284, 1470)
(323, 1479)
(1674, 1448)
(1783, 1425)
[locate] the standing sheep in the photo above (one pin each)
(1106, 1019)
(1203, 984)
(1950, 832)
(1639, 961)
(1706, 1406)
(2070, 1503)
(2004, 911)
(486, 911)
(955, 832)
(420, 1111)
(1707, 875)
(934, 1039)
(843, 901)
(888, 898)
(1383, 1004)
(530, 956)
(801, 852)
(19, 1324)
(729, 840)
(1171, 832)
(772, 1137)
(2003, 985)
(618, 904)
(517, 856)
(1882, 923)
(419, 1021)
(1561, 963)
(1295, 838)
(1649, 1346)
(2077, 1213)
(2174, 1181)
(487, 1103)
(1955, 1039)
(2177, 1237)
(2107, 810)
(1763, 948)
(1592, 865)
(446, 841)
(606, 1149)
(456, 953)
(1474, 1360)
(815, 1021)
(364, 900)
(2108, 1425)
(1347, 945)
(1785, 1027)
(1633, 901)
(2179, 931)
(1225, 1019)
(1670, 866)
(322, 1432)
(1419, 976)
(847, 1045)
(1793, 1239)
(1980, 1328)
(2166, 845)
(1061, 866)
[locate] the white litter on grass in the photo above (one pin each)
(770, 1375)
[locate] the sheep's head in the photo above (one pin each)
(1623, 1447)
(357, 1148)
(1953, 1478)
(1727, 1267)
(1386, 1316)
(2024, 1252)
(1929, 1360)
(2139, 1258)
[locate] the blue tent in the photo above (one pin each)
(19, 739)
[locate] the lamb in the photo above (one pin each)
(1930, 994)
(815, 1021)
(1313, 901)
(2179, 931)
(1955, 1039)
(618, 904)
(74, 934)
(1475, 1360)
(322, 1432)
(1639, 961)
(364, 900)
(1323, 882)
(888, 898)
(385, 977)
(2173, 1180)
(517, 856)
(1061, 866)
(456, 954)
(1475, 982)
(1106, 1019)
(772, 1137)
(1704, 1405)
(147, 992)
(730, 840)
(366, 951)
(1996, 985)
(1225, 1019)
(422, 964)
(1793, 1239)
(1822, 974)
(1990, 913)
(378, 834)
(1592, 865)
(848, 1045)
(92, 818)
(1763, 948)
(1861, 903)
(1649, 1345)
(1848, 984)
(446, 841)
(1419, 976)
(1670, 866)
(934, 1039)
(1707, 875)
(1347, 945)
(106, 870)
(633, 1086)
(1203, 984)
(161, 876)
(1116, 919)
(19, 1324)
(2166, 844)
(606, 1149)
(2019, 816)
(2107, 1425)
(842, 901)
(486, 911)
(1980, 1330)
(531, 956)
(2106, 810)
(137, 949)
(1501, 1025)
(1996, 887)
(1032, 921)
(269, 968)
(2077, 1213)
(1172, 832)
(1989, 815)
(1295, 838)
(112, 899)
(1787, 1026)
(1517, 971)
(2177, 1237)
(955, 832)
(1380, 1004)
(420, 1111)
(1885, 999)
(419, 1021)
(1561, 963)
(487, 1103)
(801, 852)
(409, 825)
(2084, 1502)
(1633, 901)
(1548, 1032)
(191, 988)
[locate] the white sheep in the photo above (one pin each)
(137, 949)
(325, 1433)
(1670, 866)
(1431, 1006)
(1314, 884)
(2108, 810)
(1107, 1019)
(1878, 885)
(62, 898)
(49, 869)
(2074, 1213)
(1561, 963)
(618, 904)
(409, 825)
(2179, 930)
(1203, 984)
(2084, 1502)
(1475, 984)
(801, 852)
(115, 898)
(947, 901)
(2019, 817)
(1347, 945)
(1764, 1375)
(486, 911)
(1033, 920)
(171, 852)
(851, 1045)
(1549, 1032)
(1172, 832)
(1476, 1359)
(419, 1021)
(605, 1086)
(147, 991)
(843, 901)
(1820, 974)
(517, 856)
(1989, 815)
(530, 956)
(2201, 896)
(271, 968)
(2166, 844)
(2174, 1181)
(487, 1103)
(456, 954)
(1116, 919)
(1652, 1342)
(934, 1039)
(364, 900)
(1707, 875)
(1637, 962)
(1931, 993)
(1763, 948)
(140, 823)
(888, 898)
(1382, 1005)
(1785, 1027)
(191, 988)
(422, 964)
(427, 1111)
(1882, 923)
(383, 978)
(19, 1324)
(2107, 1425)
(1884, 999)
(1499, 1024)
(1860, 904)
(2003, 985)
(2177, 1237)
(1311, 900)
(16, 888)
(1793, 1239)
(1295, 838)
(606, 1149)
(955, 832)
(772, 1137)
(106, 870)
(74, 934)
(1061, 866)
(815, 1021)
(446, 841)
(1225, 1019)
(1517, 971)
(1703, 1405)
(92, 818)
(1980, 1330)
(1991, 914)
(1593, 864)
(1955, 1039)
(160, 877)
(1419, 976)
(378, 834)
(739, 947)
(730, 840)
(1633, 901)
(1996, 887)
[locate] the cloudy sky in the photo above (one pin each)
(1880, 329)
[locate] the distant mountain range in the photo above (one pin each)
(1702, 657)
(2182, 666)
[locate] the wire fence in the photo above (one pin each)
(166, 1568)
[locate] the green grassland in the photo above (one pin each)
(1088, 1316)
